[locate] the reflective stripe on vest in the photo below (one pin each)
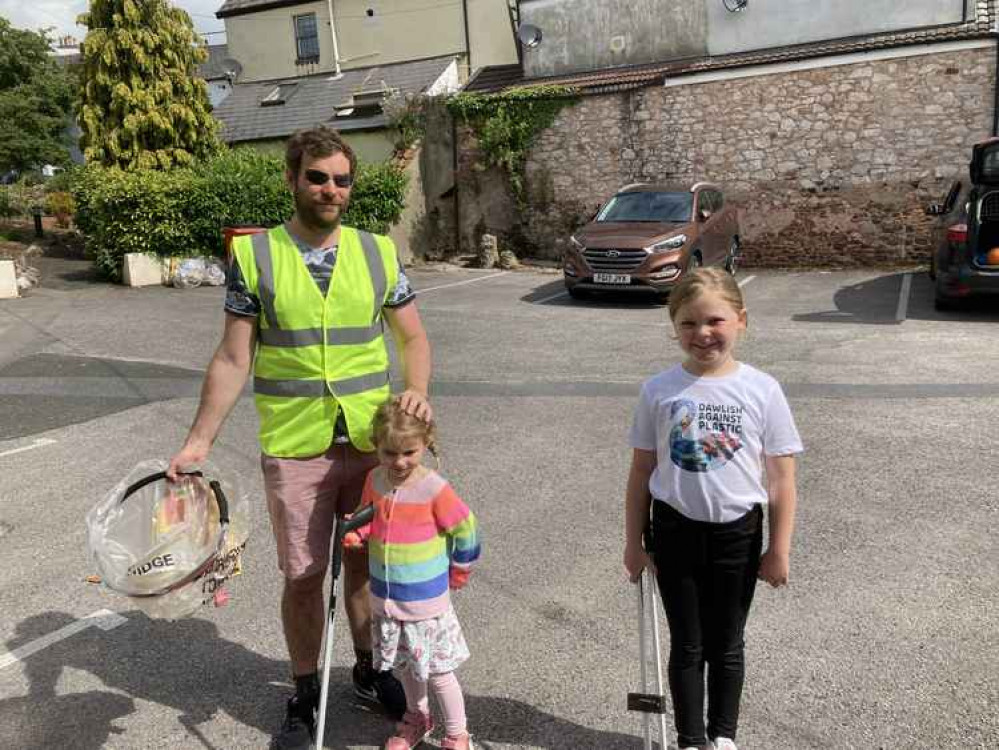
(317, 388)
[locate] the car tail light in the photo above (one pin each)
(957, 233)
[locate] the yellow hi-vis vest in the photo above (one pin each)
(318, 355)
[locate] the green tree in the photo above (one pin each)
(142, 106)
(35, 101)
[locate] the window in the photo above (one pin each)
(647, 206)
(306, 38)
(279, 94)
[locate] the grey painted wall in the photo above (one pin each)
(776, 23)
(582, 35)
(590, 35)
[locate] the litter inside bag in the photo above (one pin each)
(190, 273)
(168, 546)
(214, 272)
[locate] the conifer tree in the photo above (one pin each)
(142, 106)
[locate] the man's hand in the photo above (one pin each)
(192, 454)
(774, 568)
(415, 404)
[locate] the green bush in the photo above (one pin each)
(6, 203)
(182, 212)
(62, 181)
(378, 197)
(62, 206)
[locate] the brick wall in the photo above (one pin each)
(829, 166)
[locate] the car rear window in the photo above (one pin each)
(990, 166)
(648, 206)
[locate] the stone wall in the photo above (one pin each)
(829, 165)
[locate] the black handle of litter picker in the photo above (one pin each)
(155, 478)
(221, 500)
(220, 497)
(344, 525)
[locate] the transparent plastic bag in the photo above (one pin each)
(190, 273)
(169, 547)
(214, 272)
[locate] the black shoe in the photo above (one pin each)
(299, 730)
(380, 687)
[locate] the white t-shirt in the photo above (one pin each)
(710, 435)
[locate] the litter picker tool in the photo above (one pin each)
(343, 526)
(646, 702)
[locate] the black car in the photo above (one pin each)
(965, 260)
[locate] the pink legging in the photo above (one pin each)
(446, 690)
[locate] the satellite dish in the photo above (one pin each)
(735, 6)
(529, 35)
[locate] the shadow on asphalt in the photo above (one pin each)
(48, 391)
(876, 302)
(543, 295)
(186, 666)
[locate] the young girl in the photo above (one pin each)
(422, 541)
(704, 432)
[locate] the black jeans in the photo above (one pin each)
(707, 576)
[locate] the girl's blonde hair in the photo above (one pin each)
(701, 280)
(392, 424)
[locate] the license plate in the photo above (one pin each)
(611, 278)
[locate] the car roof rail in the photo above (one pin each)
(702, 184)
(633, 185)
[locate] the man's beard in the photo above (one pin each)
(308, 214)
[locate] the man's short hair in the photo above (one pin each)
(316, 143)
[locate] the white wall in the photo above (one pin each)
(777, 23)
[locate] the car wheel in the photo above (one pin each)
(943, 304)
(732, 259)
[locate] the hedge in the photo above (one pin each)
(182, 212)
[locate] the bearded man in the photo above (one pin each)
(304, 309)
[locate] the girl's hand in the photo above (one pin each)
(774, 568)
(353, 541)
(635, 561)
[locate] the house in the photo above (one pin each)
(220, 72)
(298, 68)
(832, 124)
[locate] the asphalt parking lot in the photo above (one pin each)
(887, 636)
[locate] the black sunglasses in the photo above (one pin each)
(319, 177)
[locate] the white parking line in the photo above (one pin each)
(903, 299)
(39, 443)
(102, 618)
(459, 283)
(746, 280)
(563, 293)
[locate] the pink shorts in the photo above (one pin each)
(304, 495)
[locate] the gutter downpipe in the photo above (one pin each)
(995, 93)
(336, 49)
(468, 43)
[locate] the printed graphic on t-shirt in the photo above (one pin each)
(704, 437)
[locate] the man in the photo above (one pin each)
(304, 308)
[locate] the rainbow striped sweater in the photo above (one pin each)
(419, 533)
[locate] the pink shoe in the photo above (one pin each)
(459, 742)
(410, 732)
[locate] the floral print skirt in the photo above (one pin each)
(423, 647)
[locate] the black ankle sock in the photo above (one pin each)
(307, 687)
(363, 659)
